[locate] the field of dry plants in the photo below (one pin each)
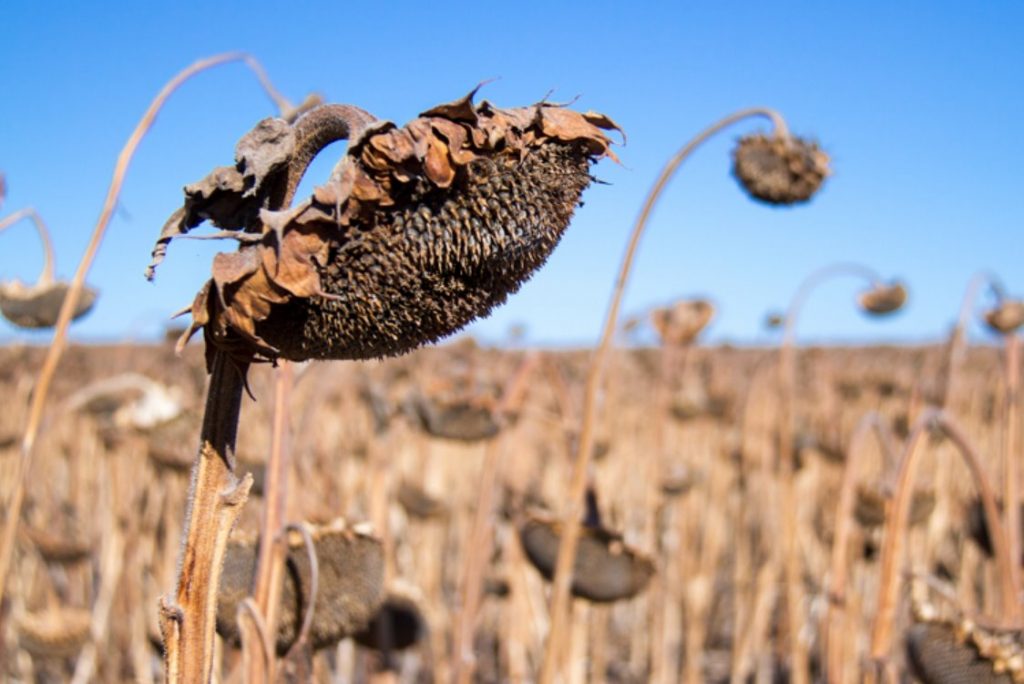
(684, 471)
(626, 513)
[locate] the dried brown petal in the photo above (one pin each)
(420, 230)
(38, 306)
(883, 299)
(779, 170)
(1006, 318)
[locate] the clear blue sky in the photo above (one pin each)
(919, 103)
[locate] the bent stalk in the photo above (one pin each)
(560, 597)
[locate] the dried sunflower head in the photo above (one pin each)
(682, 322)
(1006, 318)
(605, 570)
(420, 229)
(398, 624)
(38, 305)
(883, 298)
(57, 632)
(779, 169)
(351, 585)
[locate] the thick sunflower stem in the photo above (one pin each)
(555, 650)
(215, 501)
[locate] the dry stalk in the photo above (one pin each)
(463, 657)
(560, 596)
(1011, 461)
(46, 275)
(896, 520)
(270, 561)
(793, 581)
(836, 615)
(59, 343)
(958, 343)
(215, 501)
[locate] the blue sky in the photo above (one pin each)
(919, 103)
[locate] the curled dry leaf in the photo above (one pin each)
(419, 230)
(38, 305)
(1006, 318)
(779, 169)
(883, 298)
(682, 322)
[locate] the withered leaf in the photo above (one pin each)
(268, 147)
(459, 110)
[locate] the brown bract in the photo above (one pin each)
(883, 299)
(682, 322)
(419, 230)
(779, 169)
(1006, 318)
(38, 305)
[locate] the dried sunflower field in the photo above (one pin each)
(318, 477)
(684, 471)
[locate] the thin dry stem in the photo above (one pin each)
(270, 563)
(67, 310)
(463, 658)
(870, 423)
(46, 276)
(896, 521)
(793, 584)
(562, 581)
(1011, 462)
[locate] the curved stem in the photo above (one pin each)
(787, 416)
(560, 597)
(897, 516)
(870, 423)
(57, 346)
(46, 276)
(958, 339)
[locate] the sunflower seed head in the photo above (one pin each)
(420, 229)
(779, 170)
(38, 306)
(883, 298)
(1006, 318)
